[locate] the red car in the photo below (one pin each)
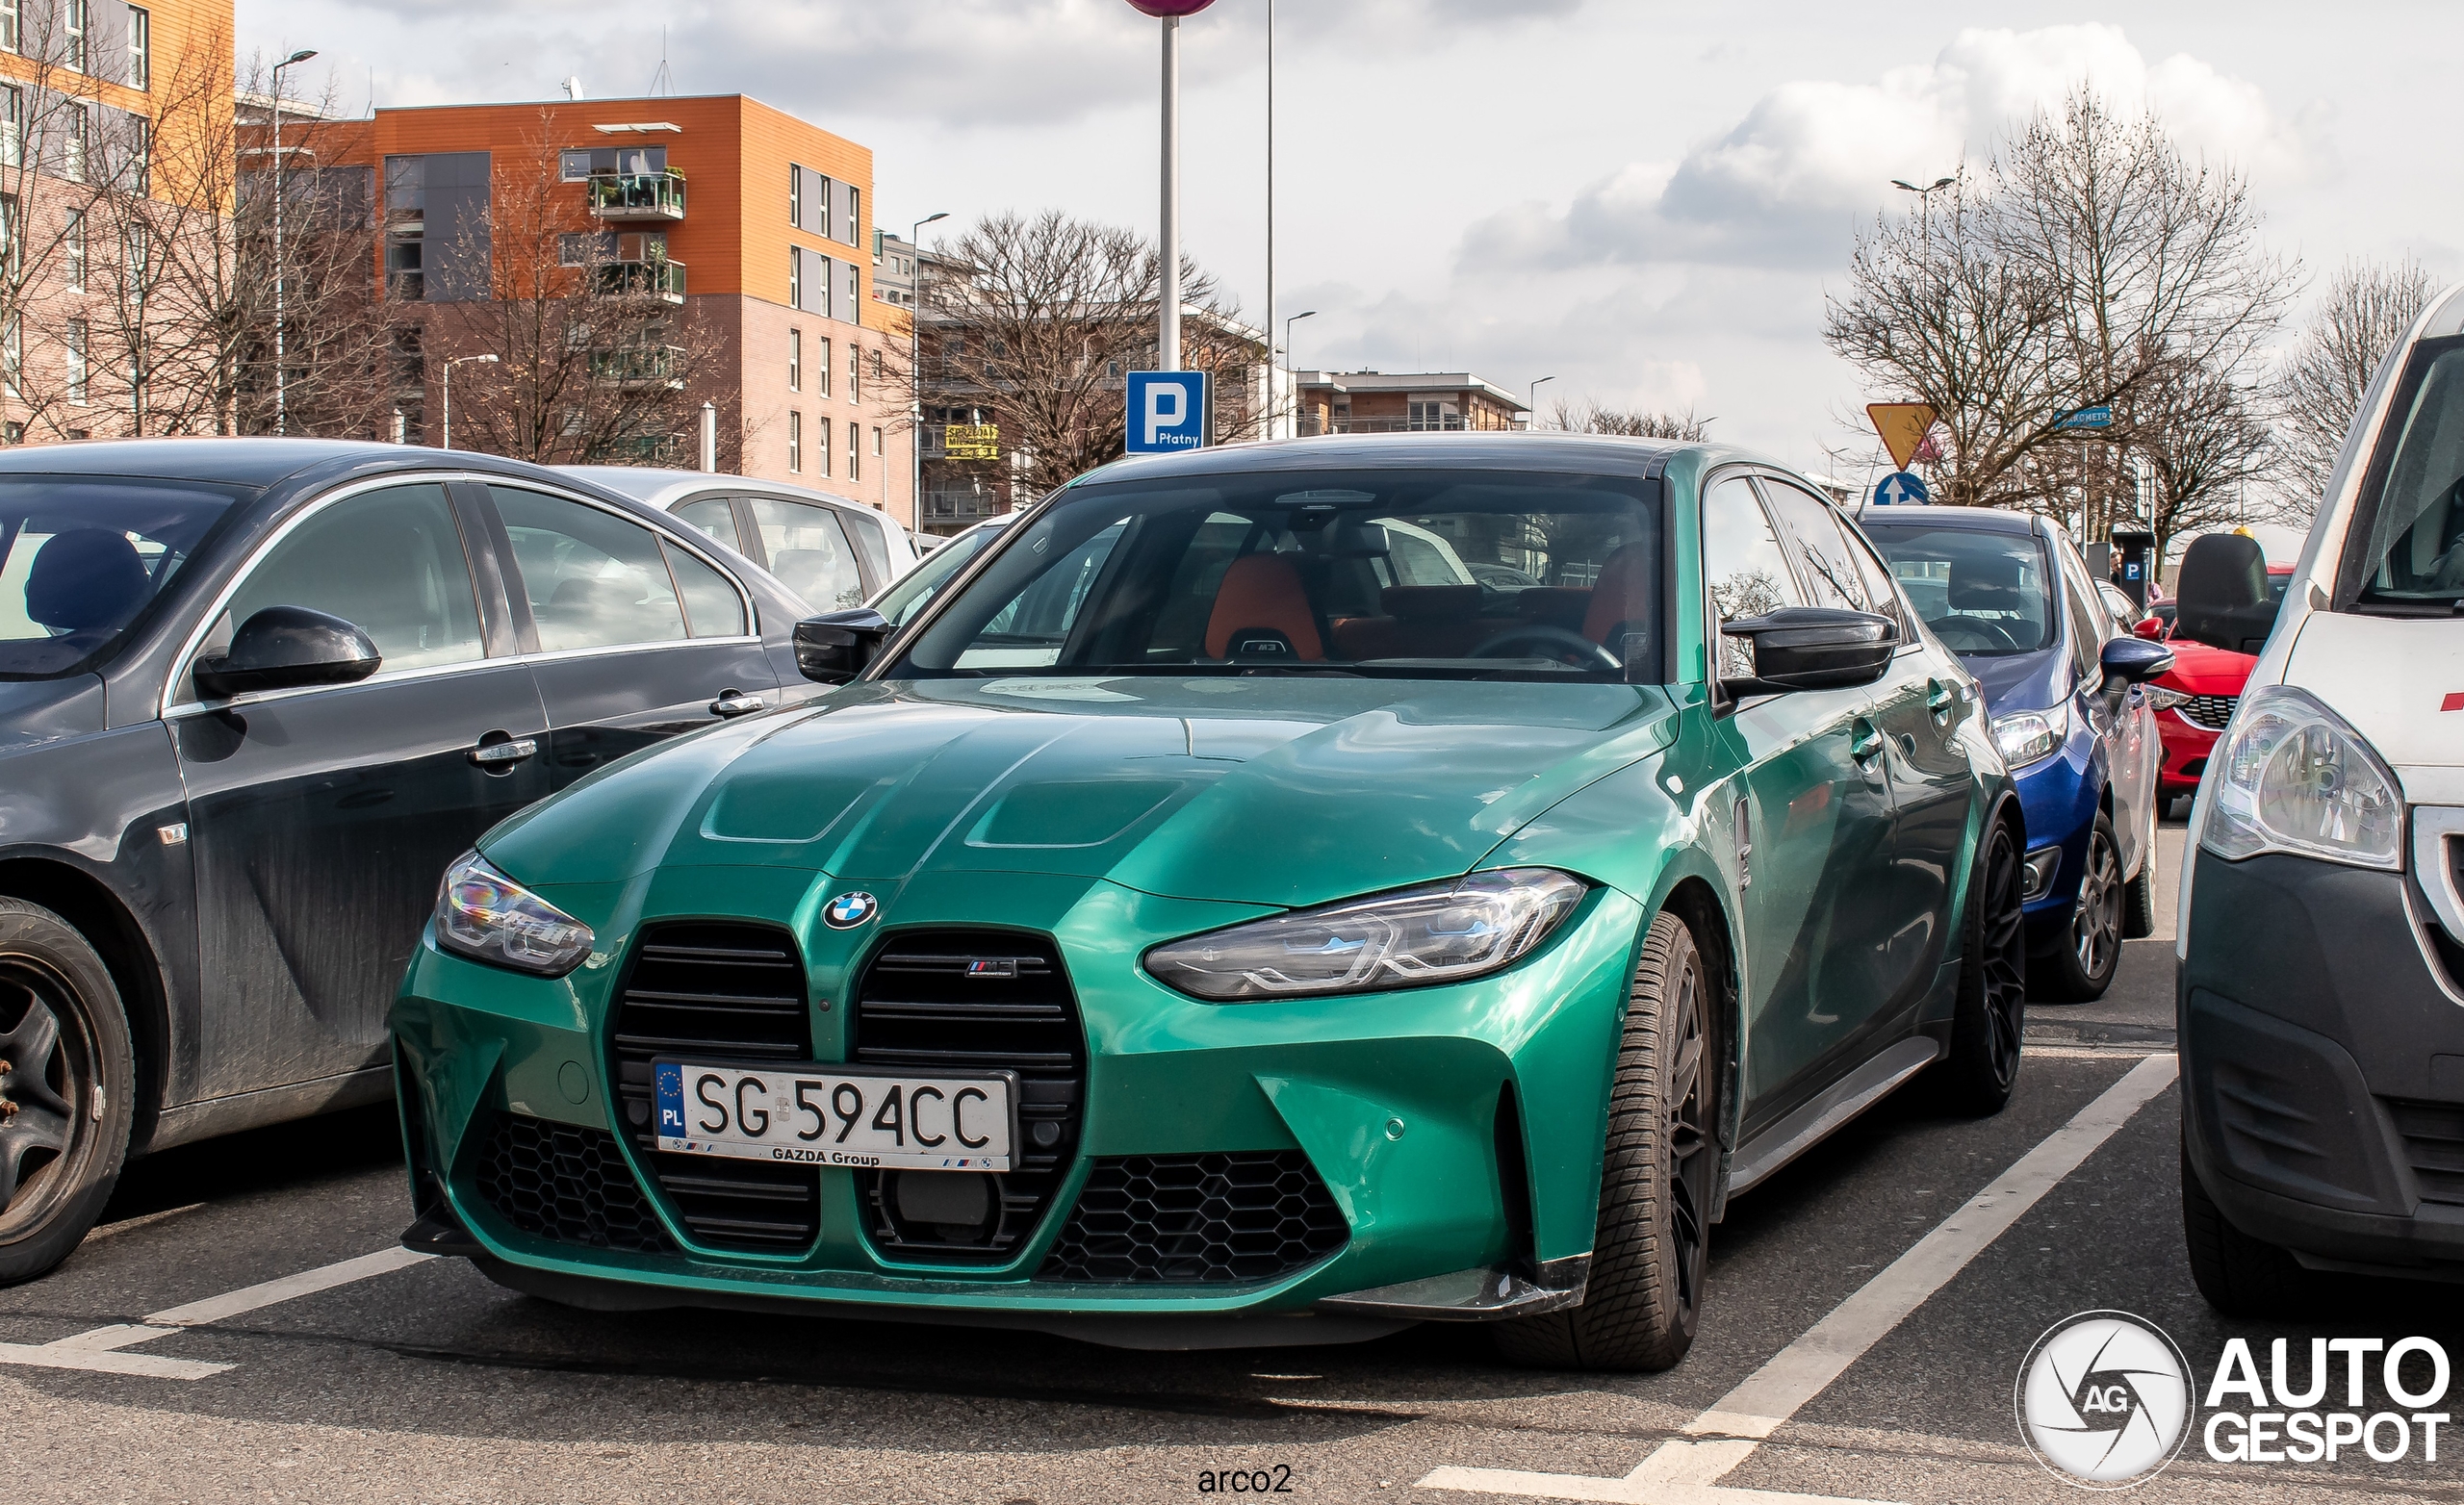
(2204, 683)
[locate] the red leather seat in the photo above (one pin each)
(1260, 601)
(1621, 599)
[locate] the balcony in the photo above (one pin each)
(660, 279)
(639, 366)
(637, 195)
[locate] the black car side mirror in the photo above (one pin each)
(1812, 647)
(835, 647)
(2135, 660)
(284, 648)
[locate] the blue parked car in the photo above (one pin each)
(2009, 592)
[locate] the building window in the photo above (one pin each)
(854, 216)
(8, 251)
(795, 278)
(821, 367)
(854, 437)
(877, 442)
(140, 49)
(73, 122)
(12, 126)
(9, 24)
(821, 438)
(586, 247)
(573, 166)
(13, 355)
(877, 372)
(139, 245)
(795, 196)
(72, 250)
(72, 360)
(795, 443)
(854, 374)
(141, 157)
(72, 25)
(795, 360)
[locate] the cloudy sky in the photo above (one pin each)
(1647, 201)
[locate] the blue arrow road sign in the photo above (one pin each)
(1901, 489)
(1166, 411)
(2086, 417)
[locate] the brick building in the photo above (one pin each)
(1375, 402)
(754, 225)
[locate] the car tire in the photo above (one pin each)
(1975, 1077)
(2139, 897)
(2080, 966)
(1645, 1292)
(68, 1093)
(2238, 1275)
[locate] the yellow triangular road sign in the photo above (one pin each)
(1902, 425)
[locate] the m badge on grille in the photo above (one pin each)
(992, 967)
(849, 910)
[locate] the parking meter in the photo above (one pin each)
(2135, 564)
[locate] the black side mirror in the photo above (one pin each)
(2222, 595)
(2135, 660)
(835, 647)
(284, 648)
(1812, 647)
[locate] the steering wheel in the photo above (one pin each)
(1994, 635)
(1570, 649)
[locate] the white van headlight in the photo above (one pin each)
(2292, 777)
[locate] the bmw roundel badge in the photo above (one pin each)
(849, 910)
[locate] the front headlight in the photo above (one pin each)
(2292, 777)
(2160, 699)
(2025, 737)
(1442, 933)
(486, 916)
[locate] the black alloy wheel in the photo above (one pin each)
(65, 1073)
(1975, 1077)
(2082, 967)
(1652, 1247)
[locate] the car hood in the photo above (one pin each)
(1269, 790)
(2021, 681)
(2394, 680)
(2200, 669)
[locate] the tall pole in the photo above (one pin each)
(1169, 304)
(1274, 400)
(916, 374)
(281, 377)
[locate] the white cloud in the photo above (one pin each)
(1787, 184)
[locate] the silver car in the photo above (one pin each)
(831, 552)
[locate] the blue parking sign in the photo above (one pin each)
(1167, 411)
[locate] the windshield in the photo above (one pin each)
(915, 589)
(81, 560)
(2412, 508)
(1403, 572)
(1985, 595)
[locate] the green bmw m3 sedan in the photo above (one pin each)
(1274, 894)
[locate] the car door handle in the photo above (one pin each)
(1941, 700)
(506, 751)
(1865, 744)
(733, 702)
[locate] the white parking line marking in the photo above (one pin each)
(100, 1350)
(1684, 1471)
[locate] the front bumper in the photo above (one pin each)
(2187, 747)
(2058, 800)
(1454, 1128)
(2322, 1042)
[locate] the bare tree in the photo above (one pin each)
(2203, 436)
(2318, 391)
(597, 355)
(1593, 419)
(1036, 322)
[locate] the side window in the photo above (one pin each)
(1821, 552)
(391, 563)
(593, 579)
(1030, 630)
(2087, 632)
(865, 531)
(714, 516)
(809, 550)
(713, 608)
(1744, 572)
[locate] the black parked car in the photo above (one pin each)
(255, 695)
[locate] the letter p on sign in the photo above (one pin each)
(1166, 411)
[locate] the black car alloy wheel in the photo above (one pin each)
(65, 1084)
(1975, 1076)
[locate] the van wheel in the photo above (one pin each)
(1649, 1253)
(2080, 965)
(1975, 1077)
(66, 1089)
(2238, 1275)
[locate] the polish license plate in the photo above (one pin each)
(822, 1116)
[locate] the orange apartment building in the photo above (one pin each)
(752, 221)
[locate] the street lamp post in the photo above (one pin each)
(1531, 401)
(488, 359)
(1294, 364)
(281, 377)
(1168, 330)
(915, 375)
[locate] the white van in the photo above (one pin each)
(2321, 992)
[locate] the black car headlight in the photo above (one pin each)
(486, 916)
(1444, 933)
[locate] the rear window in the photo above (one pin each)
(2406, 548)
(1984, 594)
(83, 561)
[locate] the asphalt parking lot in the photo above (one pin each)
(204, 1345)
